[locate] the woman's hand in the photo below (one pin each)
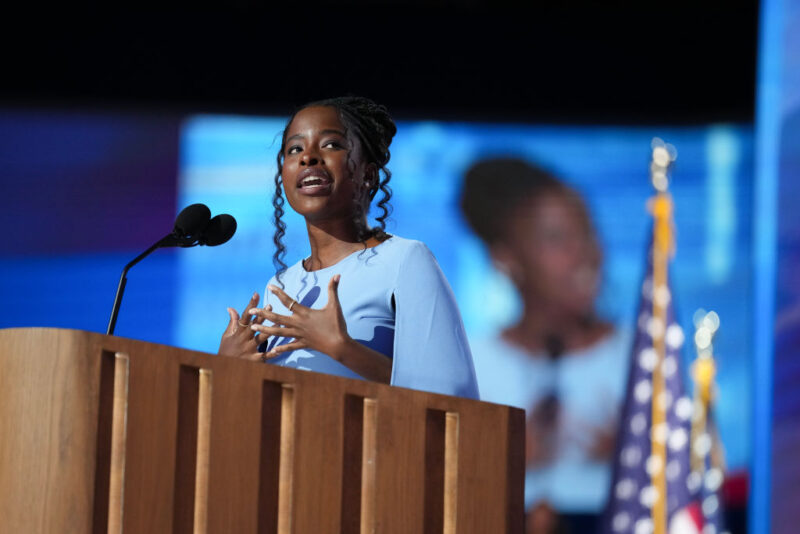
(322, 330)
(238, 339)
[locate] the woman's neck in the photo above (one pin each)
(331, 241)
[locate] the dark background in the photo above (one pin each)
(580, 62)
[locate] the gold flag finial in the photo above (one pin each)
(704, 369)
(664, 154)
(660, 206)
(703, 372)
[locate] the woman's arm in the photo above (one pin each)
(431, 351)
(323, 330)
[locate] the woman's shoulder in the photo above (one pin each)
(403, 245)
(398, 253)
(410, 252)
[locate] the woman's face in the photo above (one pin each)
(552, 253)
(323, 167)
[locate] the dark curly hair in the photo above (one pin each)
(494, 188)
(374, 128)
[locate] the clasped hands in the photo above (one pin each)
(323, 330)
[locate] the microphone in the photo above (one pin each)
(218, 230)
(191, 220)
(193, 226)
(189, 223)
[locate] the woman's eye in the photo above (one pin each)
(332, 144)
(293, 149)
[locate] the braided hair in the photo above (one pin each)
(374, 128)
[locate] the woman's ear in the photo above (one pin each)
(371, 179)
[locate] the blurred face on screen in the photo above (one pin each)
(554, 259)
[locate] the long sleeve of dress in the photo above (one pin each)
(431, 351)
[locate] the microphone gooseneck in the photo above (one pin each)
(193, 226)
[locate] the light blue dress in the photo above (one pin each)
(395, 300)
(590, 387)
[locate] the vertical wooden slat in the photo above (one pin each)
(237, 440)
(352, 465)
(369, 455)
(186, 447)
(105, 416)
(286, 468)
(434, 471)
(515, 471)
(157, 403)
(269, 456)
(451, 431)
(119, 424)
(318, 459)
(203, 451)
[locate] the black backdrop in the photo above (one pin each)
(582, 62)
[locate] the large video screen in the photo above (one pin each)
(83, 194)
(229, 163)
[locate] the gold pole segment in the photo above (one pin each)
(663, 247)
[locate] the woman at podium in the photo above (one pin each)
(363, 303)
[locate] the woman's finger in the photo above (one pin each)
(253, 356)
(275, 330)
(276, 351)
(273, 317)
(233, 324)
(245, 317)
(259, 312)
(260, 338)
(333, 290)
(291, 304)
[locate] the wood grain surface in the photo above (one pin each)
(264, 450)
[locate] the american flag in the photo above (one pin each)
(650, 492)
(654, 489)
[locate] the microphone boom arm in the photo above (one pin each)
(166, 241)
(193, 226)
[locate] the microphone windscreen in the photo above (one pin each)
(192, 220)
(219, 230)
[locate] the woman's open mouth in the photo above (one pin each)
(314, 183)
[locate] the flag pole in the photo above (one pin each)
(707, 463)
(703, 371)
(661, 208)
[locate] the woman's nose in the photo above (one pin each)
(310, 157)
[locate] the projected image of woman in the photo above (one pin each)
(559, 361)
(363, 303)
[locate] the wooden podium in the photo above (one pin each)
(107, 434)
